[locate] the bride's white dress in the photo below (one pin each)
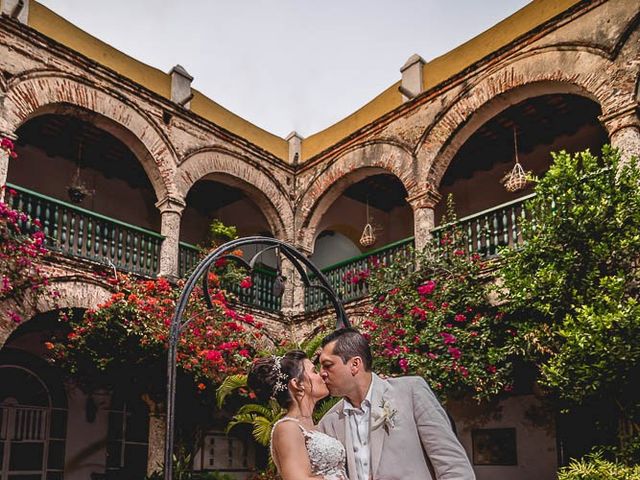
(326, 454)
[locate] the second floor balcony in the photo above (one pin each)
(77, 232)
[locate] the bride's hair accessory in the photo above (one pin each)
(280, 384)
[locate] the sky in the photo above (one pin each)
(286, 65)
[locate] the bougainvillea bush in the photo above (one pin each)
(437, 322)
(128, 335)
(22, 249)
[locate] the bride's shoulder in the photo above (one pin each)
(285, 427)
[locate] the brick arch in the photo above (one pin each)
(73, 292)
(544, 72)
(259, 185)
(38, 93)
(356, 164)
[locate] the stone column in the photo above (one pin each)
(157, 427)
(171, 210)
(293, 298)
(624, 131)
(4, 162)
(424, 215)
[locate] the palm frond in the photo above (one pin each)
(262, 430)
(228, 385)
(323, 407)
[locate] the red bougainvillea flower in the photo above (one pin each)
(246, 282)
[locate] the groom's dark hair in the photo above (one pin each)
(350, 343)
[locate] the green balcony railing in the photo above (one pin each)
(485, 232)
(77, 232)
(188, 257)
(348, 277)
(260, 295)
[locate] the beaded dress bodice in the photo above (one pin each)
(326, 454)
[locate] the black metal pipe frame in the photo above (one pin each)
(298, 260)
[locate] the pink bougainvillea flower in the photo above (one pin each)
(427, 287)
(404, 364)
(454, 352)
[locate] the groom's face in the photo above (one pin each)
(336, 374)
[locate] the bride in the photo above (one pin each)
(299, 451)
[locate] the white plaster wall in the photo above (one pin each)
(86, 450)
(330, 249)
(535, 439)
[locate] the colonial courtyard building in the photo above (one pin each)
(126, 166)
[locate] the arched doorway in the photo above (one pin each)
(33, 419)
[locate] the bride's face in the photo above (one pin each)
(313, 381)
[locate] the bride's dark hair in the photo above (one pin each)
(264, 375)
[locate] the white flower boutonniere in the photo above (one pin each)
(385, 417)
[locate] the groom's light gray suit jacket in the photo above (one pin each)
(421, 429)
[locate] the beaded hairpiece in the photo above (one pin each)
(281, 377)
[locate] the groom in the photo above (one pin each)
(392, 429)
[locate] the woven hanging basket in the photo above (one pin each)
(368, 238)
(516, 179)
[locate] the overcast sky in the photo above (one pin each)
(286, 64)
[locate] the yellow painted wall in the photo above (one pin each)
(440, 69)
(435, 72)
(54, 26)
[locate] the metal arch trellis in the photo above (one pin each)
(298, 260)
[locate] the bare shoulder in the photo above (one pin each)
(285, 432)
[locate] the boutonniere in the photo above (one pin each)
(385, 417)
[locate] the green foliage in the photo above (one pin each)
(229, 385)
(221, 233)
(594, 467)
(261, 417)
(437, 322)
(573, 286)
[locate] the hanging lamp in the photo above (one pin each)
(517, 178)
(368, 236)
(77, 190)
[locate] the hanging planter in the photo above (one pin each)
(517, 179)
(368, 238)
(77, 190)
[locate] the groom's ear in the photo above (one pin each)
(355, 365)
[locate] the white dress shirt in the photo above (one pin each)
(358, 424)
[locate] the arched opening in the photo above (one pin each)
(373, 197)
(33, 406)
(90, 192)
(60, 146)
(543, 124)
(384, 197)
(218, 197)
(225, 199)
(332, 246)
